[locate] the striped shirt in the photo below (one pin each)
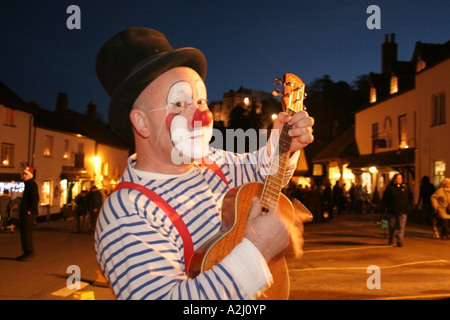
(141, 252)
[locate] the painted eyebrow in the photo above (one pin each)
(180, 81)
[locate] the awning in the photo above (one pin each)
(393, 159)
(10, 177)
(72, 173)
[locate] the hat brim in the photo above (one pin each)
(128, 91)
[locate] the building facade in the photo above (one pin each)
(406, 126)
(69, 151)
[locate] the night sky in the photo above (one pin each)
(247, 42)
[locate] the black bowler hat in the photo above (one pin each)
(129, 61)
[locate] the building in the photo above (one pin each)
(406, 127)
(68, 150)
(250, 100)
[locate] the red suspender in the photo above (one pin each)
(215, 167)
(171, 213)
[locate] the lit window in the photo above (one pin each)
(45, 193)
(373, 94)
(394, 85)
(420, 65)
(403, 132)
(439, 172)
(7, 155)
(48, 146)
(66, 149)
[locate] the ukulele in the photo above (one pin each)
(238, 202)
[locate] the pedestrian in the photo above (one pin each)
(327, 201)
(398, 201)
(15, 209)
(338, 197)
(424, 202)
(28, 213)
(5, 208)
(440, 201)
(94, 204)
(360, 198)
(159, 100)
(81, 211)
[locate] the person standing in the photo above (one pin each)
(426, 190)
(95, 201)
(159, 100)
(15, 208)
(398, 201)
(27, 214)
(5, 206)
(80, 211)
(441, 204)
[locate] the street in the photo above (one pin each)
(346, 258)
(338, 254)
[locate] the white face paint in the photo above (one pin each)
(188, 145)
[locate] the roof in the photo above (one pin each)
(393, 159)
(343, 147)
(77, 123)
(431, 53)
(11, 100)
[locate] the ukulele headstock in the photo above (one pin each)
(292, 93)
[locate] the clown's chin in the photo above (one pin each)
(189, 147)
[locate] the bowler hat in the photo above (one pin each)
(129, 61)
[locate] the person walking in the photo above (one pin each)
(27, 214)
(440, 201)
(5, 206)
(398, 201)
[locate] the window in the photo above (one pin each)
(438, 109)
(45, 193)
(439, 172)
(9, 116)
(7, 155)
(66, 152)
(402, 132)
(373, 94)
(388, 131)
(394, 85)
(420, 65)
(48, 146)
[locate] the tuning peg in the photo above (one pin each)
(276, 92)
(277, 81)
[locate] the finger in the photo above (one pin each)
(256, 208)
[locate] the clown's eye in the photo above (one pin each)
(202, 102)
(180, 104)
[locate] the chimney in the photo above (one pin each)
(62, 102)
(91, 110)
(388, 54)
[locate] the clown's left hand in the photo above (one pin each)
(301, 131)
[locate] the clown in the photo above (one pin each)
(171, 204)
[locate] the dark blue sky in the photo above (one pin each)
(247, 42)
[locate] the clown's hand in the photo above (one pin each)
(301, 131)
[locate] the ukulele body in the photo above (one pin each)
(235, 209)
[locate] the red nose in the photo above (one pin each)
(201, 118)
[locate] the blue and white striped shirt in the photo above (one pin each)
(141, 252)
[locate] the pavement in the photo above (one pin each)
(334, 266)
